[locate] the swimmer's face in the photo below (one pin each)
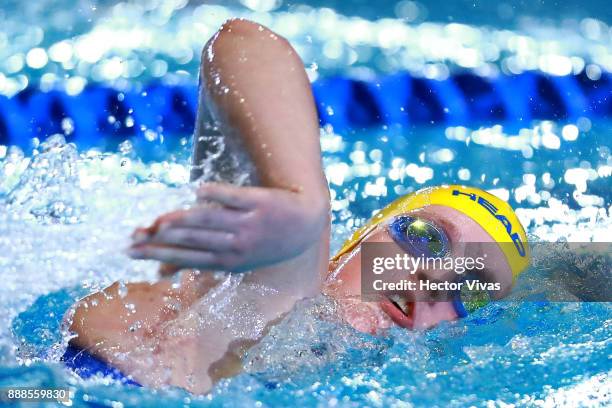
(344, 280)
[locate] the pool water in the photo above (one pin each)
(67, 215)
(67, 211)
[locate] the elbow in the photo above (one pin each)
(244, 30)
(237, 35)
(239, 27)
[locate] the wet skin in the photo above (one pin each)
(106, 326)
(165, 335)
(259, 96)
(344, 280)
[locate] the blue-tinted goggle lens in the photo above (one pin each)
(468, 300)
(419, 237)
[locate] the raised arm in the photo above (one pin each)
(255, 87)
(258, 94)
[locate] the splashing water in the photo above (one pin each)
(524, 353)
(45, 190)
(66, 215)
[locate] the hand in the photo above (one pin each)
(234, 229)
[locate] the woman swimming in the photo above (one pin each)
(192, 334)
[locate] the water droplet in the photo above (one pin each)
(122, 289)
(67, 126)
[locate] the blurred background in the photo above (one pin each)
(97, 108)
(75, 42)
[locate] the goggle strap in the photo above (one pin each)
(459, 306)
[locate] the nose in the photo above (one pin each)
(429, 314)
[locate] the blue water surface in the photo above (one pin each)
(514, 352)
(66, 211)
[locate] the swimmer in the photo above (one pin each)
(255, 90)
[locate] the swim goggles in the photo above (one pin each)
(421, 237)
(466, 300)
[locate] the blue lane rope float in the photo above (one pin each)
(101, 112)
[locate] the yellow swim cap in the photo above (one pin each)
(493, 214)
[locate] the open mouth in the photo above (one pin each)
(400, 310)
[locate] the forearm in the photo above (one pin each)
(259, 95)
(255, 93)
